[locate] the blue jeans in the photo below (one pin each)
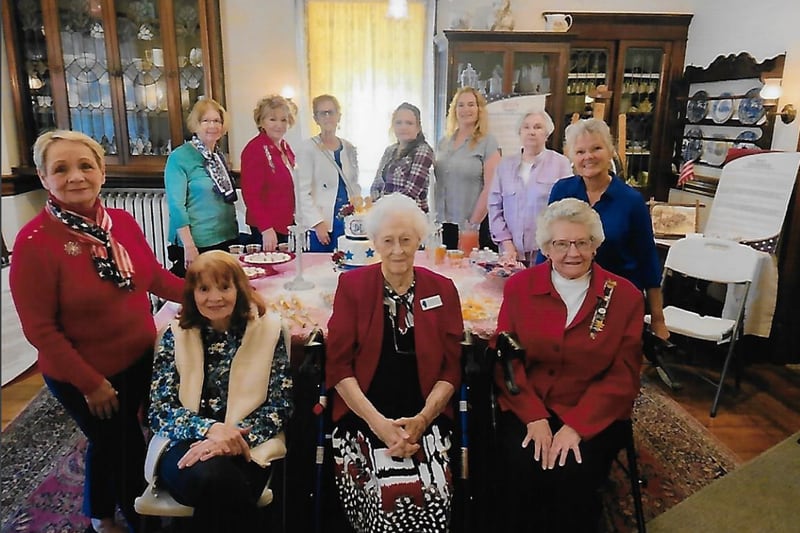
(115, 455)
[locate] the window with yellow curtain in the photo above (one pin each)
(371, 63)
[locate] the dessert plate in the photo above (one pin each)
(692, 144)
(267, 258)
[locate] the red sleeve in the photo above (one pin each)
(453, 332)
(255, 182)
(34, 280)
(526, 405)
(342, 333)
(611, 397)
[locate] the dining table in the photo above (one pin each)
(305, 310)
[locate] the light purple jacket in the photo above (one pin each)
(514, 206)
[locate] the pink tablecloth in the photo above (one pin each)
(307, 309)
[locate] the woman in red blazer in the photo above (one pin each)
(394, 353)
(581, 328)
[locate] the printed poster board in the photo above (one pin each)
(504, 116)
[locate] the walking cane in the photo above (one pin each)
(314, 365)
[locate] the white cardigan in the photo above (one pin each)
(318, 179)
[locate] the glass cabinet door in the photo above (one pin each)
(588, 69)
(483, 70)
(86, 71)
(638, 100)
(124, 72)
(531, 73)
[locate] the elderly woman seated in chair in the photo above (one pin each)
(581, 328)
(221, 392)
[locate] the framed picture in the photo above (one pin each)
(674, 220)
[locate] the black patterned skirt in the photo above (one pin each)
(381, 493)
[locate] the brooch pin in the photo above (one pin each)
(72, 248)
(601, 309)
(269, 158)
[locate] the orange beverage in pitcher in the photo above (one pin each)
(467, 240)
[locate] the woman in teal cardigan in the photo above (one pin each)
(200, 192)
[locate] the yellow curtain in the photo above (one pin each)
(370, 63)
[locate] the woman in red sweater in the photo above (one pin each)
(267, 173)
(80, 277)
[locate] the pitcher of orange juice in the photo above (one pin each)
(468, 237)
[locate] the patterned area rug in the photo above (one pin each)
(677, 457)
(42, 466)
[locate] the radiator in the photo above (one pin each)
(149, 208)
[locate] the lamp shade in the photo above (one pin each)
(772, 89)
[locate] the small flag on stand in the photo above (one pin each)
(687, 173)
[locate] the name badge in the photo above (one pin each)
(431, 303)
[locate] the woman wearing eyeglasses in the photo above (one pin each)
(393, 356)
(629, 249)
(581, 328)
(327, 174)
(521, 186)
(200, 192)
(268, 173)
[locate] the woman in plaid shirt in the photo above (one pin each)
(406, 165)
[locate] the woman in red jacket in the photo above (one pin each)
(394, 358)
(267, 173)
(80, 278)
(581, 328)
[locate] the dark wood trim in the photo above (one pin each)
(736, 67)
(616, 26)
(15, 183)
(481, 36)
(10, 36)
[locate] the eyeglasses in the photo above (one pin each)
(208, 121)
(325, 113)
(562, 245)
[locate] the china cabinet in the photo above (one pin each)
(503, 64)
(125, 72)
(636, 56)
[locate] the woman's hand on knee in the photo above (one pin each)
(230, 439)
(539, 432)
(565, 440)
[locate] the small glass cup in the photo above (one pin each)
(253, 248)
(236, 249)
(455, 258)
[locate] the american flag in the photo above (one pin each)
(687, 172)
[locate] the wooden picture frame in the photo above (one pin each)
(674, 220)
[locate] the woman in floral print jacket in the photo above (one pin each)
(221, 393)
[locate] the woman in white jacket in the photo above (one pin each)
(327, 173)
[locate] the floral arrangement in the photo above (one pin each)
(337, 257)
(346, 210)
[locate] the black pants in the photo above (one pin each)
(223, 490)
(176, 255)
(450, 236)
(116, 451)
(565, 499)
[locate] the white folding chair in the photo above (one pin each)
(157, 501)
(714, 260)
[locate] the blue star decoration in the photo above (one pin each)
(348, 255)
(370, 252)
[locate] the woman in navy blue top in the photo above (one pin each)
(629, 249)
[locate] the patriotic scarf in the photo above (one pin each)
(214, 163)
(110, 258)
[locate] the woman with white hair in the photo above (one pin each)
(393, 356)
(581, 328)
(629, 249)
(521, 187)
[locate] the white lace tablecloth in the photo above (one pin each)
(306, 309)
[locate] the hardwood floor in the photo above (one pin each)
(765, 411)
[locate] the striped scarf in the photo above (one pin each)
(110, 258)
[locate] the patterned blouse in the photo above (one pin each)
(169, 418)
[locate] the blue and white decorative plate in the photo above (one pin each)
(697, 107)
(722, 109)
(746, 139)
(692, 144)
(751, 108)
